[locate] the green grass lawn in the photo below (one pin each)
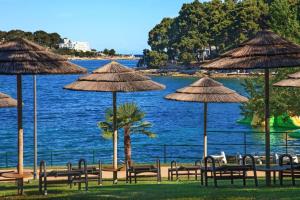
(152, 190)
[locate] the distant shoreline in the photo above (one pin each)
(194, 73)
(173, 71)
(103, 58)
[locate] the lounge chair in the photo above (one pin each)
(68, 176)
(229, 172)
(140, 171)
(286, 158)
(181, 170)
(221, 159)
(257, 158)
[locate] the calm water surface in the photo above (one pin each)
(67, 122)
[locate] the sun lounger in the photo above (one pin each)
(180, 170)
(229, 172)
(68, 176)
(221, 159)
(139, 171)
(286, 158)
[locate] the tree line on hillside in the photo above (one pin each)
(51, 40)
(43, 38)
(218, 25)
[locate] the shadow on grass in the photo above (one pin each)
(187, 191)
(165, 190)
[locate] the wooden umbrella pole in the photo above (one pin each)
(115, 139)
(20, 126)
(204, 132)
(267, 126)
(34, 127)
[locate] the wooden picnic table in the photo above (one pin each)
(12, 175)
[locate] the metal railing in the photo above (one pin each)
(165, 152)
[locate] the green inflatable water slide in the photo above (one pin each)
(283, 121)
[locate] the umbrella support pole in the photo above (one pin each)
(204, 131)
(267, 125)
(20, 126)
(115, 139)
(34, 127)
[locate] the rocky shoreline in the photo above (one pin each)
(194, 73)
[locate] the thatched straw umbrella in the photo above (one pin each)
(292, 81)
(206, 90)
(22, 57)
(6, 101)
(114, 77)
(265, 51)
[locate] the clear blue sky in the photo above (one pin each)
(119, 24)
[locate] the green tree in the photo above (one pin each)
(284, 19)
(154, 59)
(189, 32)
(215, 15)
(158, 37)
(250, 16)
(54, 40)
(112, 52)
(106, 51)
(42, 38)
(130, 118)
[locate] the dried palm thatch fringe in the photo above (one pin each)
(207, 90)
(292, 81)
(20, 56)
(288, 83)
(114, 77)
(295, 75)
(265, 50)
(7, 101)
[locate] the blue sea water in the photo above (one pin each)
(67, 122)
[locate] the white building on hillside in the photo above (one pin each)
(76, 45)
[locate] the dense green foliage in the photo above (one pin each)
(155, 59)
(108, 52)
(73, 52)
(283, 19)
(50, 40)
(218, 24)
(283, 102)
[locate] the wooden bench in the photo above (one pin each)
(188, 171)
(292, 169)
(228, 172)
(68, 176)
(140, 171)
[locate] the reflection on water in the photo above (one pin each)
(67, 121)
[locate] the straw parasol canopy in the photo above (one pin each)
(114, 77)
(292, 81)
(206, 90)
(266, 50)
(20, 56)
(6, 101)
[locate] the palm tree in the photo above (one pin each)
(130, 119)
